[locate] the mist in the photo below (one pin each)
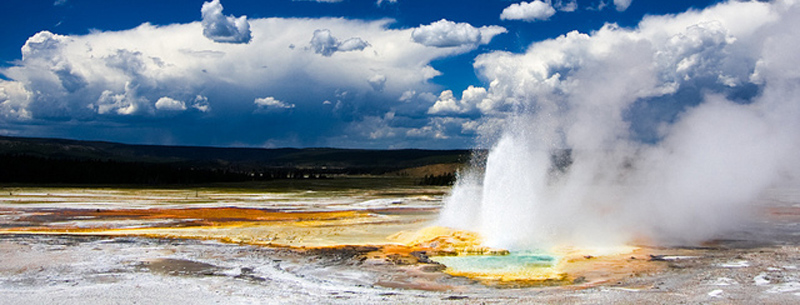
(673, 129)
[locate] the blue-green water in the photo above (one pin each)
(498, 263)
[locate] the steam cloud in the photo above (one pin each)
(674, 128)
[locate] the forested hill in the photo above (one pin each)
(37, 160)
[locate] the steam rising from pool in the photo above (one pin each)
(673, 129)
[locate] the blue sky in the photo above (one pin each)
(348, 73)
(79, 17)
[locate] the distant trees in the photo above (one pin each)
(36, 160)
(442, 180)
(24, 168)
(33, 169)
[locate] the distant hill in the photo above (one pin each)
(39, 160)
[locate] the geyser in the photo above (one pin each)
(673, 129)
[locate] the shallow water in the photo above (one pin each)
(499, 263)
(515, 266)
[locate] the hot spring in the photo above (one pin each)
(660, 136)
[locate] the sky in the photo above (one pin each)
(352, 74)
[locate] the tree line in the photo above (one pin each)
(440, 180)
(34, 169)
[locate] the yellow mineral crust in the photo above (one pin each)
(464, 255)
(515, 276)
(393, 234)
(236, 225)
(446, 241)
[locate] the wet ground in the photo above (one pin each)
(78, 246)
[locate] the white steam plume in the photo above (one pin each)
(673, 127)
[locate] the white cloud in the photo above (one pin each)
(270, 103)
(170, 61)
(377, 81)
(446, 103)
(14, 101)
(221, 28)
(438, 128)
(201, 103)
(622, 5)
(43, 45)
(352, 44)
(407, 95)
(566, 6)
(387, 1)
(60, 2)
(324, 43)
(169, 104)
(445, 33)
(473, 100)
(116, 78)
(126, 103)
(103, 76)
(528, 11)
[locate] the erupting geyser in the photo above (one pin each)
(672, 129)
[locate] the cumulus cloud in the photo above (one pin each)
(407, 95)
(387, 1)
(445, 104)
(675, 126)
(324, 43)
(43, 44)
(117, 78)
(566, 6)
(201, 104)
(528, 11)
(60, 2)
(221, 28)
(270, 103)
(445, 33)
(473, 100)
(14, 101)
(377, 81)
(125, 103)
(622, 5)
(169, 104)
